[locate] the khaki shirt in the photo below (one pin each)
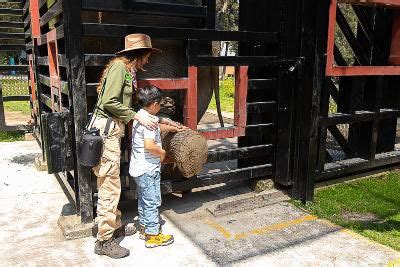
(116, 100)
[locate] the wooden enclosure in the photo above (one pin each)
(284, 127)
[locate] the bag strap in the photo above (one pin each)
(107, 128)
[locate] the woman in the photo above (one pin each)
(117, 86)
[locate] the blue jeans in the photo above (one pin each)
(149, 199)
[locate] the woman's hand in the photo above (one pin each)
(175, 124)
(147, 120)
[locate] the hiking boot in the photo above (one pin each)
(142, 234)
(110, 248)
(153, 241)
(125, 230)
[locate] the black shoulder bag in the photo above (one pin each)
(91, 145)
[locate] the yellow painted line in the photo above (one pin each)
(219, 228)
(275, 227)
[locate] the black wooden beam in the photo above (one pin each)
(138, 7)
(11, 11)
(351, 39)
(241, 152)
(118, 30)
(261, 84)
(235, 61)
(215, 178)
(12, 36)
(260, 107)
(358, 165)
(16, 98)
(77, 87)
(12, 47)
(54, 10)
(12, 24)
(341, 141)
(14, 67)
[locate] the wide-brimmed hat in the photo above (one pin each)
(137, 41)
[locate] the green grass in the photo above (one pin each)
(227, 93)
(22, 106)
(11, 136)
(378, 195)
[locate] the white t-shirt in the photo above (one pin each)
(143, 161)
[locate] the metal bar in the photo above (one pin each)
(118, 30)
(383, 3)
(163, 9)
(35, 18)
(364, 71)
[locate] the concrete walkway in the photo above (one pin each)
(277, 235)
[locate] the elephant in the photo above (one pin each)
(170, 63)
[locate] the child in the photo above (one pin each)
(146, 157)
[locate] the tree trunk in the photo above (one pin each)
(188, 150)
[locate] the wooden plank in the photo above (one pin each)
(260, 107)
(358, 165)
(261, 84)
(16, 98)
(62, 60)
(76, 84)
(12, 47)
(139, 7)
(235, 61)
(54, 11)
(12, 36)
(11, 11)
(215, 178)
(118, 30)
(44, 79)
(14, 67)
(12, 24)
(241, 152)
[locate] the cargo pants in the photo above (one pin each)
(108, 179)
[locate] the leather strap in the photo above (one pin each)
(107, 128)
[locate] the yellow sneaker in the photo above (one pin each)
(161, 239)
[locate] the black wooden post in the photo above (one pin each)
(2, 111)
(77, 88)
(313, 49)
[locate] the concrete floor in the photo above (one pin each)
(277, 235)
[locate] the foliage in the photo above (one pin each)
(378, 196)
(340, 40)
(227, 92)
(228, 18)
(11, 136)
